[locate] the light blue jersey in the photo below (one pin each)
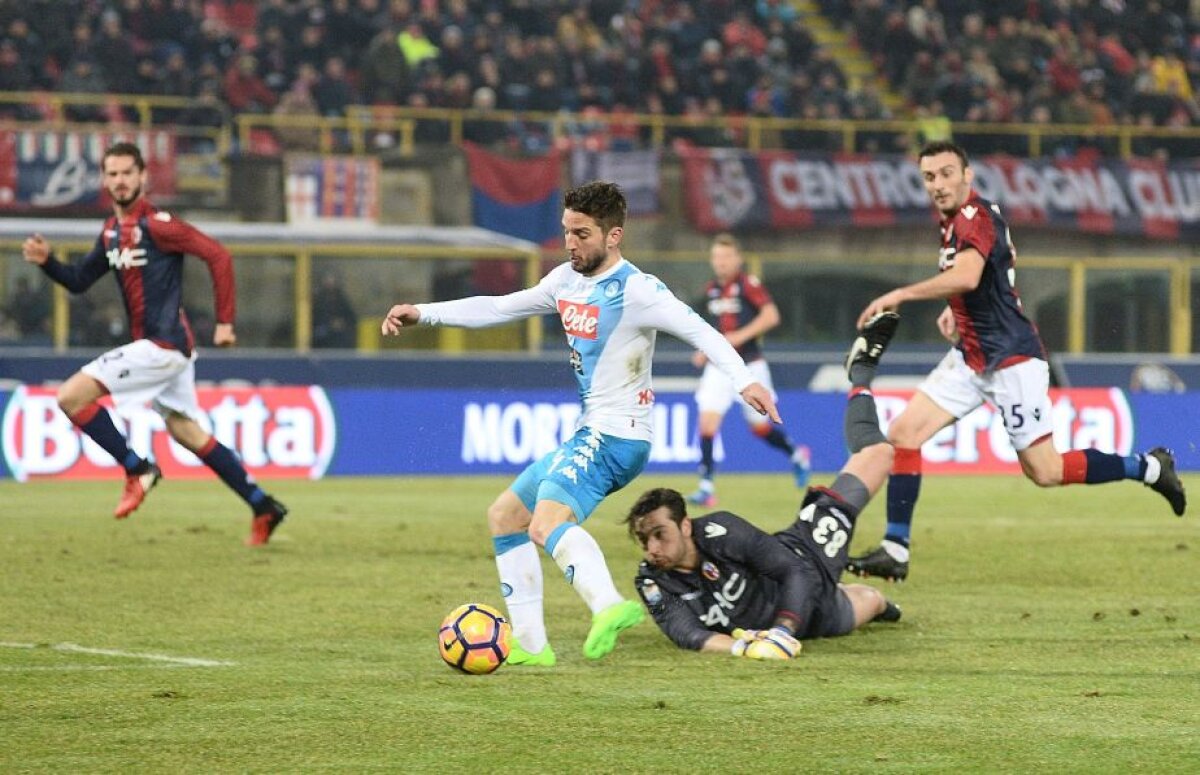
(611, 321)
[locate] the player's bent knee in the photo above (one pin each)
(503, 520)
(69, 400)
(539, 533)
(1043, 478)
(880, 455)
(902, 437)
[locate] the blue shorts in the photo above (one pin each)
(581, 472)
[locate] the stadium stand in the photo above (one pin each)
(1129, 62)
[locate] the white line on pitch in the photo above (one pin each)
(74, 648)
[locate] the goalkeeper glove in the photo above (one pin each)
(775, 643)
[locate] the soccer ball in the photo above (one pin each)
(474, 638)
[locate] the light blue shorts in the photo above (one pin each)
(582, 472)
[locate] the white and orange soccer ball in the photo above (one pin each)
(474, 638)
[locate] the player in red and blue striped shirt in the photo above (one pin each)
(997, 357)
(144, 248)
(738, 305)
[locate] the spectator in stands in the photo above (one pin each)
(168, 24)
(282, 14)
(275, 66)
(175, 78)
(927, 25)
(311, 49)
(82, 78)
(899, 46)
(30, 49)
(333, 92)
(113, 54)
(1170, 77)
(973, 35)
(454, 56)
(206, 109)
(517, 72)
(385, 72)
(244, 90)
(298, 101)
(687, 33)
(14, 75)
(482, 129)
(347, 32)
(53, 22)
(29, 308)
(416, 46)
(650, 56)
(145, 78)
(457, 92)
(775, 63)
(740, 31)
(427, 132)
(335, 323)
(578, 27)
(700, 129)
(215, 44)
(981, 70)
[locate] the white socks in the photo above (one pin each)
(897, 551)
(521, 571)
(582, 562)
(1153, 469)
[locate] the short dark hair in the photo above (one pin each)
(652, 500)
(944, 146)
(600, 200)
(727, 240)
(124, 149)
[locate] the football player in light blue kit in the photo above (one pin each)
(611, 312)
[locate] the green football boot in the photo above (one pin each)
(608, 624)
(519, 656)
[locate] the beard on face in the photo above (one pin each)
(586, 264)
(125, 202)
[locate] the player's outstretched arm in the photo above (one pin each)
(775, 643)
(962, 277)
(763, 402)
(36, 250)
(399, 316)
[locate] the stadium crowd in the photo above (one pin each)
(1036, 61)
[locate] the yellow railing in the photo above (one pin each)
(753, 133)
(1078, 271)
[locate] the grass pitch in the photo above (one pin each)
(1043, 631)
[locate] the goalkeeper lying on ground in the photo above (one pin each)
(718, 583)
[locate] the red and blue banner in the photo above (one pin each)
(59, 172)
(728, 189)
(518, 197)
(340, 188)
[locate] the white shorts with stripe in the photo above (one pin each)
(1020, 392)
(716, 394)
(141, 373)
